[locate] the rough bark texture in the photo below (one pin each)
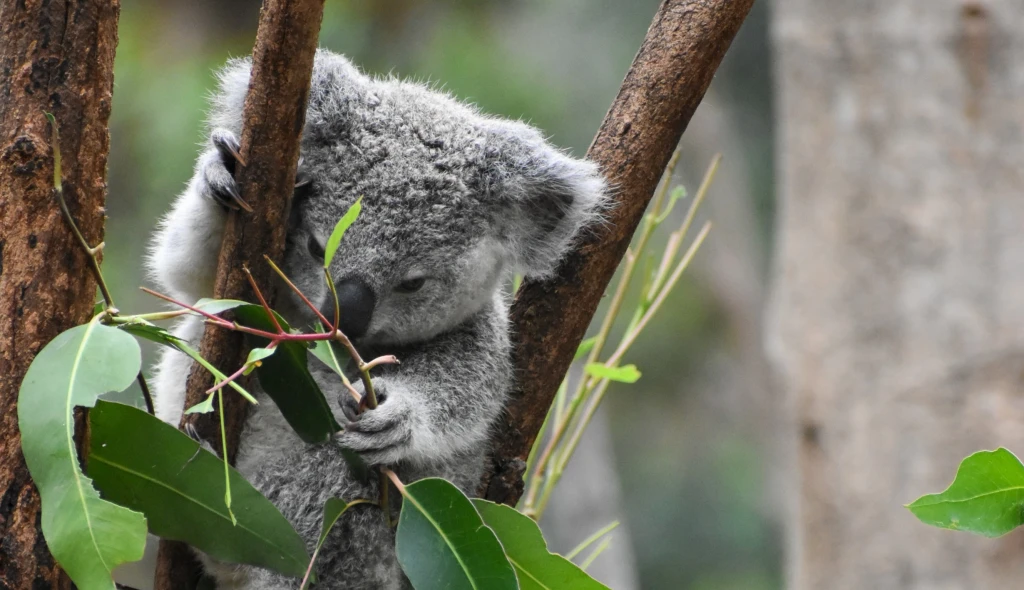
(273, 117)
(668, 78)
(57, 57)
(898, 308)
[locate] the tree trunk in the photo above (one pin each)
(898, 308)
(56, 57)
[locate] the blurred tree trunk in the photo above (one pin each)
(897, 324)
(55, 56)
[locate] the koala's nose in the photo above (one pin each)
(355, 302)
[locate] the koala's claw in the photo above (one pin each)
(350, 407)
(228, 147)
(219, 172)
(379, 435)
(354, 409)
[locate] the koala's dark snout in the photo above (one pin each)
(356, 302)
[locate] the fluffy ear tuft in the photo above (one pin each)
(547, 198)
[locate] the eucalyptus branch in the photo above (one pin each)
(91, 253)
(561, 424)
(572, 414)
(369, 400)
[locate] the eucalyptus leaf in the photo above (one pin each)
(203, 407)
(986, 496)
(88, 536)
(443, 544)
(215, 306)
(256, 357)
(142, 463)
(339, 231)
(327, 353)
(333, 509)
(585, 347)
(623, 374)
(536, 567)
(286, 379)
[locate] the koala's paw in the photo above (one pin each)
(382, 435)
(218, 171)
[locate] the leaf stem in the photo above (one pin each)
(592, 539)
(263, 301)
(90, 252)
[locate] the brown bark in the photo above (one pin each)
(56, 57)
(661, 91)
(273, 117)
(897, 322)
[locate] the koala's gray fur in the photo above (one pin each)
(450, 195)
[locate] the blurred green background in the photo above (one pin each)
(691, 440)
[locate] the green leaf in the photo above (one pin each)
(256, 357)
(203, 407)
(88, 536)
(154, 333)
(144, 464)
(623, 374)
(333, 509)
(339, 231)
(986, 496)
(536, 567)
(285, 378)
(585, 347)
(215, 306)
(443, 544)
(327, 352)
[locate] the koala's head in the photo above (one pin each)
(452, 202)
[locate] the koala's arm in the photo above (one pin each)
(183, 255)
(441, 402)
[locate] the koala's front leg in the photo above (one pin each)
(183, 258)
(438, 406)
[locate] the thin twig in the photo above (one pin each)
(90, 252)
(298, 292)
(146, 395)
(263, 302)
(388, 359)
(561, 424)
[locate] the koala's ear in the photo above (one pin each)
(546, 198)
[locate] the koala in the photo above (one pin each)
(453, 203)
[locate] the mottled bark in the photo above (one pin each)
(273, 117)
(897, 324)
(668, 79)
(56, 57)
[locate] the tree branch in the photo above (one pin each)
(273, 117)
(668, 78)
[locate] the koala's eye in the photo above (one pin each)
(315, 249)
(411, 285)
